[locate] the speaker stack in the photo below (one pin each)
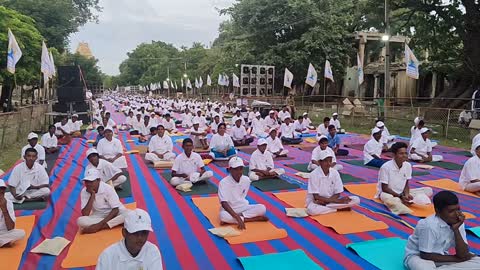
(257, 80)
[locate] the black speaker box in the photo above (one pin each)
(70, 94)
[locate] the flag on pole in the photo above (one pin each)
(200, 82)
(46, 66)
(412, 63)
(328, 71)
(14, 53)
(288, 79)
(176, 87)
(220, 79)
(165, 85)
(236, 80)
(226, 80)
(171, 84)
(209, 80)
(196, 83)
(53, 70)
(311, 76)
(189, 84)
(360, 70)
(181, 81)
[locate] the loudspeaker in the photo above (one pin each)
(69, 76)
(70, 94)
(257, 80)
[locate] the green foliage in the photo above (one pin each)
(90, 69)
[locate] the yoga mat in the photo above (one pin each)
(301, 167)
(255, 232)
(340, 221)
(446, 165)
(201, 150)
(360, 164)
(126, 190)
(347, 178)
(460, 153)
(197, 189)
(85, 248)
(355, 146)
(143, 149)
(11, 256)
(294, 259)
(248, 150)
(391, 260)
(30, 205)
(475, 230)
(307, 148)
(346, 157)
(447, 184)
(282, 158)
(274, 184)
(50, 159)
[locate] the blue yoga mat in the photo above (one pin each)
(295, 259)
(475, 230)
(391, 260)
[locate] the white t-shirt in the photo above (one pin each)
(422, 146)
(65, 128)
(234, 193)
(106, 199)
(372, 147)
(394, 177)
(238, 133)
(145, 129)
(282, 115)
(214, 126)
(300, 126)
(188, 165)
(49, 141)
(106, 169)
(136, 124)
(38, 147)
(271, 122)
(414, 134)
(322, 130)
(187, 119)
(160, 145)
(221, 143)
(75, 126)
(336, 123)
(470, 171)
(22, 177)
(169, 124)
(117, 257)
(202, 120)
(274, 145)
(323, 185)
(109, 149)
(258, 126)
(130, 120)
(261, 161)
(11, 213)
(287, 131)
(318, 150)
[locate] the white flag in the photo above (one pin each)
(360, 70)
(53, 70)
(328, 71)
(311, 76)
(209, 80)
(189, 84)
(171, 84)
(200, 82)
(14, 53)
(176, 87)
(236, 80)
(220, 79)
(288, 79)
(226, 80)
(45, 64)
(412, 63)
(165, 85)
(181, 81)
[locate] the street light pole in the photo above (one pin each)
(387, 55)
(168, 81)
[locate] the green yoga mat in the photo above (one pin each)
(391, 260)
(346, 178)
(461, 153)
(127, 188)
(274, 184)
(295, 259)
(30, 206)
(446, 165)
(360, 164)
(198, 189)
(420, 173)
(301, 167)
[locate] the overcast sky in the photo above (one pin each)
(123, 24)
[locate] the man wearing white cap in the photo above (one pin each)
(284, 113)
(258, 126)
(238, 115)
(316, 153)
(387, 139)
(307, 121)
(274, 144)
(324, 189)
(29, 180)
(160, 147)
(421, 149)
(393, 183)
(187, 118)
(261, 163)
(239, 134)
(189, 167)
(372, 150)
(415, 130)
(133, 251)
(111, 149)
(63, 131)
(101, 207)
(475, 140)
(49, 141)
(271, 121)
(232, 193)
(198, 135)
(108, 172)
(470, 176)
(33, 143)
(334, 121)
(75, 126)
(8, 233)
(200, 119)
(287, 132)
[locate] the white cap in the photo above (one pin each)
(305, 113)
(32, 135)
(199, 110)
(322, 137)
(257, 114)
(235, 162)
(91, 175)
(272, 111)
(91, 151)
(335, 114)
(272, 129)
(2, 184)
(108, 128)
(476, 145)
(75, 115)
(416, 120)
(195, 122)
(376, 130)
(324, 154)
(380, 124)
(261, 141)
(423, 130)
(216, 115)
(137, 220)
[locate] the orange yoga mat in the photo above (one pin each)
(86, 248)
(11, 256)
(343, 222)
(368, 191)
(255, 232)
(142, 149)
(447, 184)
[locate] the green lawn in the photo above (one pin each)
(10, 155)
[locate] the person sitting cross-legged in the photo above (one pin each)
(470, 176)
(108, 173)
(421, 149)
(315, 159)
(287, 132)
(160, 147)
(189, 166)
(8, 233)
(334, 142)
(324, 189)
(198, 135)
(49, 141)
(221, 145)
(239, 134)
(261, 163)
(372, 150)
(275, 145)
(232, 193)
(111, 149)
(33, 143)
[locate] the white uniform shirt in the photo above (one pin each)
(414, 134)
(282, 115)
(188, 165)
(38, 147)
(470, 171)
(221, 143)
(160, 145)
(117, 257)
(372, 147)
(130, 120)
(474, 141)
(234, 120)
(422, 146)
(65, 128)
(187, 119)
(271, 122)
(324, 186)
(318, 150)
(336, 123)
(75, 126)
(307, 121)
(300, 126)
(394, 177)
(137, 125)
(49, 141)
(274, 145)
(258, 126)
(238, 133)
(322, 130)
(109, 149)
(169, 124)
(234, 193)
(111, 123)
(287, 131)
(432, 235)
(261, 161)
(201, 119)
(22, 177)
(145, 130)
(106, 199)
(214, 126)
(11, 213)
(106, 169)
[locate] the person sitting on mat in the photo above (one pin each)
(387, 139)
(258, 126)
(106, 124)
(238, 115)
(307, 121)
(130, 120)
(216, 121)
(200, 118)
(49, 141)
(421, 149)
(429, 246)
(111, 149)
(334, 142)
(169, 124)
(300, 126)
(198, 136)
(100, 204)
(62, 131)
(325, 187)
(8, 233)
(415, 130)
(239, 134)
(393, 183)
(144, 129)
(284, 113)
(287, 132)
(275, 145)
(474, 142)
(189, 166)
(322, 147)
(323, 128)
(75, 126)
(271, 121)
(261, 163)
(108, 173)
(470, 176)
(160, 147)
(133, 251)
(137, 124)
(232, 193)
(187, 118)
(111, 123)
(29, 180)
(221, 144)
(372, 150)
(33, 143)
(100, 135)
(334, 121)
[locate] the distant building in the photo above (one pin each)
(84, 49)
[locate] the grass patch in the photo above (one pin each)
(10, 155)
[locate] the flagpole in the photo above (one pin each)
(324, 91)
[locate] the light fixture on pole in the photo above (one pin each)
(386, 38)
